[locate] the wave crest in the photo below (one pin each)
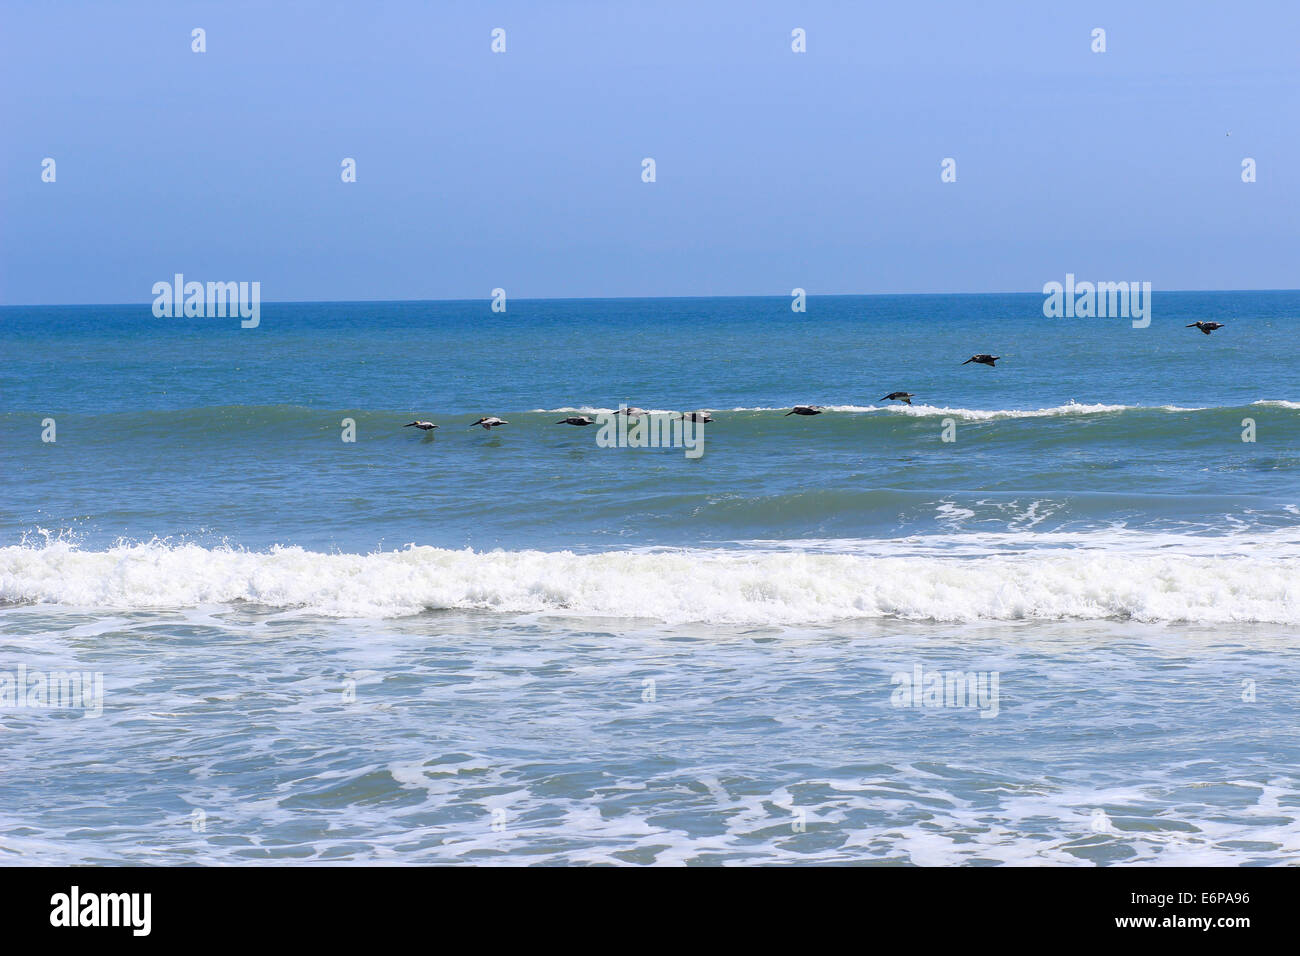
(715, 587)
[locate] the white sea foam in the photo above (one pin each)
(1056, 411)
(969, 414)
(778, 587)
(979, 414)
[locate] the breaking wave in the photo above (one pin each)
(776, 587)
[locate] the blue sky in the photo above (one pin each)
(523, 170)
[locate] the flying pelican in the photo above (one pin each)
(700, 417)
(577, 420)
(899, 396)
(423, 426)
(490, 423)
(1206, 327)
(983, 359)
(631, 412)
(803, 410)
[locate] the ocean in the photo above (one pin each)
(1046, 614)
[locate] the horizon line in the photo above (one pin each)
(621, 298)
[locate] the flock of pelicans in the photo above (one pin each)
(491, 422)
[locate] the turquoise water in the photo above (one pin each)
(519, 646)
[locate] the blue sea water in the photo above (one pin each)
(518, 646)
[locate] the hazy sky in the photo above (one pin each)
(523, 170)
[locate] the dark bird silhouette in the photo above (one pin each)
(982, 359)
(490, 423)
(1206, 327)
(577, 420)
(803, 410)
(899, 396)
(423, 426)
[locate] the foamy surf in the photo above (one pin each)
(784, 588)
(985, 414)
(923, 411)
(982, 414)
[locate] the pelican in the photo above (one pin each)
(982, 359)
(899, 396)
(632, 412)
(423, 426)
(803, 410)
(577, 420)
(701, 417)
(1206, 327)
(490, 423)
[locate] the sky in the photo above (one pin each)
(522, 170)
